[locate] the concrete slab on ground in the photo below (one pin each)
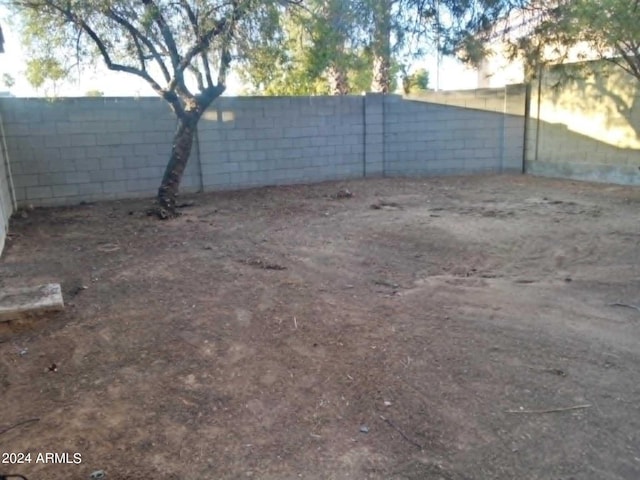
(18, 303)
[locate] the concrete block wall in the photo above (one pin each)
(508, 99)
(374, 134)
(86, 149)
(279, 140)
(587, 128)
(6, 205)
(423, 138)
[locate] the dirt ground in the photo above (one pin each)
(443, 328)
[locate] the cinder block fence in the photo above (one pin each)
(86, 149)
(6, 198)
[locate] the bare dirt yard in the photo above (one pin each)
(443, 328)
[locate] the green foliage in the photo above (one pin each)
(94, 93)
(305, 46)
(593, 29)
(183, 49)
(416, 82)
(44, 70)
(302, 49)
(8, 80)
(328, 37)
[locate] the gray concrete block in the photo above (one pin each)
(18, 129)
(145, 149)
(148, 185)
(77, 177)
(81, 165)
(85, 190)
(21, 194)
(111, 163)
(238, 134)
(35, 193)
(64, 190)
(29, 302)
(238, 155)
(52, 178)
(117, 186)
(151, 172)
(157, 137)
(101, 176)
(30, 180)
(83, 139)
(56, 141)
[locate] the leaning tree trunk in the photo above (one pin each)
(180, 151)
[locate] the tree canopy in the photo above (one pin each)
(593, 29)
(417, 81)
(342, 46)
(315, 51)
(552, 32)
(182, 48)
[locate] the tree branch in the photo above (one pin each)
(165, 31)
(201, 45)
(225, 61)
(196, 73)
(179, 66)
(144, 39)
(169, 96)
(193, 18)
(143, 64)
(207, 69)
(631, 63)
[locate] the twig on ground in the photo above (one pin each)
(551, 410)
(627, 305)
(16, 425)
(386, 283)
(256, 262)
(295, 323)
(555, 371)
(402, 434)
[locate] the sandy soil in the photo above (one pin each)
(464, 328)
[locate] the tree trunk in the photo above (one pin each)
(381, 81)
(338, 80)
(180, 151)
(334, 13)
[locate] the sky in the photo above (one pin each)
(453, 75)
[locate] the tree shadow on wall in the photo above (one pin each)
(556, 143)
(594, 83)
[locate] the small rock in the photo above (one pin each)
(387, 403)
(208, 246)
(98, 475)
(344, 194)
(364, 429)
